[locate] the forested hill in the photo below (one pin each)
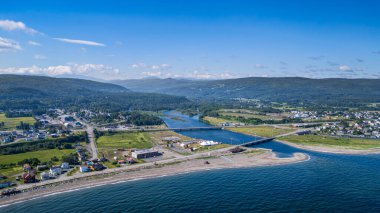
(37, 92)
(56, 86)
(284, 89)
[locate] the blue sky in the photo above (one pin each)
(190, 39)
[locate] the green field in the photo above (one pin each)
(215, 121)
(42, 155)
(263, 131)
(210, 148)
(251, 115)
(318, 140)
(137, 140)
(11, 172)
(11, 123)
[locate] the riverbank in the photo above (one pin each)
(343, 148)
(250, 158)
(331, 149)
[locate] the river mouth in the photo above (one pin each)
(174, 119)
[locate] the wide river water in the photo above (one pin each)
(326, 183)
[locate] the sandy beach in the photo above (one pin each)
(334, 150)
(250, 158)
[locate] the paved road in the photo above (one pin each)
(92, 144)
(91, 137)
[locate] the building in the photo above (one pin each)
(185, 144)
(84, 169)
(65, 166)
(29, 176)
(42, 167)
(45, 176)
(55, 171)
(146, 153)
(208, 143)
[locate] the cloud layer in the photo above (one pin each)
(8, 45)
(96, 70)
(83, 42)
(9, 25)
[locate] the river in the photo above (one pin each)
(325, 183)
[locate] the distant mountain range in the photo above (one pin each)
(283, 89)
(31, 92)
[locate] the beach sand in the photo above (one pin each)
(250, 158)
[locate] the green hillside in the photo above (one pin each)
(284, 89)
(38, 92)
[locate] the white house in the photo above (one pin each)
(65, 166)
(55, 171)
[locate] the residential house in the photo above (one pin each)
(55, 171)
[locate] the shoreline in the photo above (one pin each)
(322, 149)
(232, 161)
(331, 150)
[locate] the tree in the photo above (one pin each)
(72, 159)
(54, 159)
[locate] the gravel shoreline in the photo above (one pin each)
(241, 160)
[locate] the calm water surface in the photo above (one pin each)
(326, 183)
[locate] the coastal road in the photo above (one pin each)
(91, 137)
(92, 144)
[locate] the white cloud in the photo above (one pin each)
(9, 25)
(39, 57)
(259, 66)
(345, 68)
(34, 43)
(97, 68)
(154, 68)
(8, 45)
(93, 70)
(83, 42)
(139, 65)
(193, 75)
(160, 67)
(156, 74)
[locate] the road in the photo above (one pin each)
(91, 147)
(215, 153)
(91, 137)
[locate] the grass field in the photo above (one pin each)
(251, 115)
(318, 140)
(11, 172)
(156, 137)
(137, 140)
(264, 131)
(11, 123)
(42, 155)
(210, 148)
(215, 121)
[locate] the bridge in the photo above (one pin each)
(263, 140)
(196, 128)
(255, 142)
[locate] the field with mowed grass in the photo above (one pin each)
(42, 155)
(319, 140)
(125, 140)
(263, 131)
(11, 123)
(215, 121)
(251, 115)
